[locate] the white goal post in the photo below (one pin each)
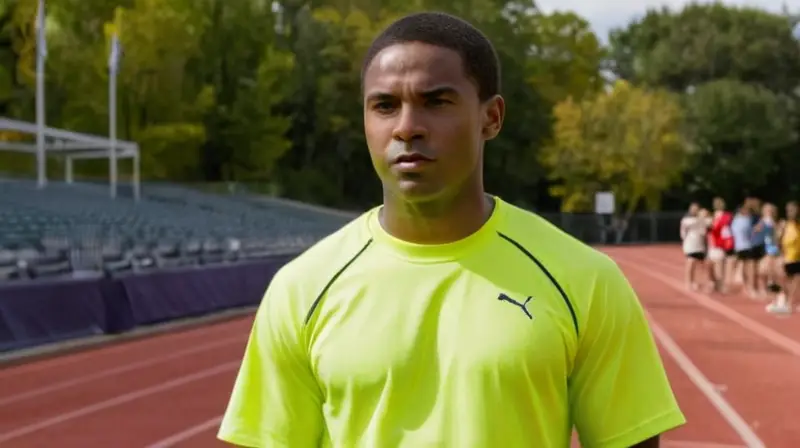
(73, 146)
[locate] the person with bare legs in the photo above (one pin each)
(705, 217)
(737, 274)
(765, 237)
(742, 230)
(790, 246)
(693, 234)
(720, 242)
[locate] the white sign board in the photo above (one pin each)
(604, 203)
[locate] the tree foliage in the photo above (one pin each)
(630, 141)
(269, 92)
(741, 130)
(738, 69)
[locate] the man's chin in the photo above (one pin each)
(417, 191)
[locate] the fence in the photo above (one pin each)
(641, 228)
(652, 227)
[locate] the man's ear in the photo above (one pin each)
(494, 112)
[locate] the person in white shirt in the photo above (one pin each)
(694, 230)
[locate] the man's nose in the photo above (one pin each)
(410, 124)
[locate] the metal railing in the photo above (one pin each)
(641, 228)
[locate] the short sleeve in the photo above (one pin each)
(619, 391)
(276, 401)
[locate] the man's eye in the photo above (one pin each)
(384, 106)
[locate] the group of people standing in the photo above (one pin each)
(752, 246)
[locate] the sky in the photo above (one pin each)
(605, 15)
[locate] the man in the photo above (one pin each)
(446, 317)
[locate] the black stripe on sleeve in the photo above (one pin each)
(549, 276)
(333, 279)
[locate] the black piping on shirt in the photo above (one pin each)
(333, 279)
(549, 276)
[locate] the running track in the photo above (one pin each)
(735, 371)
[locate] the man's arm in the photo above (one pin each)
(619, 392)
(276, 401)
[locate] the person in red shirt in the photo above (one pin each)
(720, 242)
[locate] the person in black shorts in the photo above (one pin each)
(694, 235)
(790, 247)
(742, 229)
(759, 250)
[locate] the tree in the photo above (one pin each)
(268, 92)
(629, 140)
(741, 130)
(566, 56)
(705, 42)
(739, 70)
(249, 77)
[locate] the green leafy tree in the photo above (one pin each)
(739, 70)
(741, 130)
(705, 42)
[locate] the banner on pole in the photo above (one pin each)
(41, 31)
(114, 55)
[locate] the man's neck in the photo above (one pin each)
(436, 222)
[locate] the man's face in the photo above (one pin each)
(719, 204)
(424, 122)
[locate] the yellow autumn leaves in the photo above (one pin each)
(627, 140)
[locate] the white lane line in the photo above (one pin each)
(117, 370)
(187, 434)
(116, 401)
(774, 337)
(736, 422)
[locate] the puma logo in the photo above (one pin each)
(523, 306)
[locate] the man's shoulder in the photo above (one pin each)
(554, 247)
(580, 270)
(320, 262)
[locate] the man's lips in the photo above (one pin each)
(413, 158)
(412, 163)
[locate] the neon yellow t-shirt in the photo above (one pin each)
(506, 338)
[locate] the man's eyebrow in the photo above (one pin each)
(439, 91)
(380, 97)
(427, 94)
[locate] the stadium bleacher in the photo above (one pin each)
(75, 263)
(77, 230)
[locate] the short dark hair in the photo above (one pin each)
(447, 31)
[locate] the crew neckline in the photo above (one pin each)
(434, 253)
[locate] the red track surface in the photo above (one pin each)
(735, 370)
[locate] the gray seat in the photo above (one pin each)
(81, 221)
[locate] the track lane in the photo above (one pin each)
(30, 390)
(144, 417)
(42, 371)
(28, 413)
(748, 368)
(669, 261)
(176, 415)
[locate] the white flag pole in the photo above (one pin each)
(113, 67)
(41, 55)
